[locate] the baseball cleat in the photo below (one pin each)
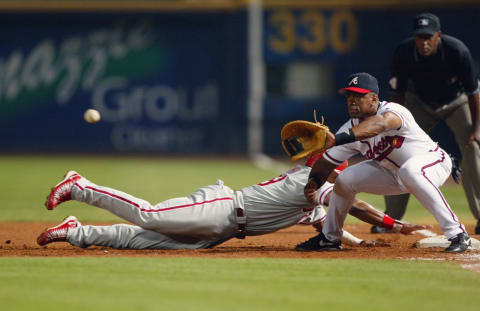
(477, 228)
(59, 232)
(319, 243)
(63, 190)
(460, 243)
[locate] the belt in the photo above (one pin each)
(241, 221)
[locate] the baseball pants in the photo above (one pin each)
(458, 118)
(421, 175)
(207, 217)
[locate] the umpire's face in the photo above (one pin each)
(427, 44)
(360, 105)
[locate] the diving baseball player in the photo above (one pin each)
(401, 158)
(208, 217)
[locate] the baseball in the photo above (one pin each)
(91, 116)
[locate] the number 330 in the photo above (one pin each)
(310, 31)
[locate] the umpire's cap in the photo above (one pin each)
(426, 24)
(362, 83)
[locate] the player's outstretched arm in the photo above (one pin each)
(374, 125)
(318, 175)
(367, 213)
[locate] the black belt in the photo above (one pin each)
(241, 226)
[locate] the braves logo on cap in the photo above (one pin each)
(423, 22)
(362, 83)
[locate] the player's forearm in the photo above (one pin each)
(370, 127)
(367, 213)
(320, 171)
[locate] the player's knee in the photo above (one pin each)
(407, 173)
(343, 185)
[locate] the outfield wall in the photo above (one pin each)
(175, 80)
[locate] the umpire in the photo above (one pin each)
(434, 77)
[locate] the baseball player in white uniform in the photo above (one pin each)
(401, 158)
(207, 217)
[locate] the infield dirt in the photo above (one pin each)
(18, 240)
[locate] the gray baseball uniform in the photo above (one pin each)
(207, 217)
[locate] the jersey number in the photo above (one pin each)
(273, 180)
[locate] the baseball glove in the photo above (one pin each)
(300, 138)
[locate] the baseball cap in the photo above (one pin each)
(426, 23)
(362, 83)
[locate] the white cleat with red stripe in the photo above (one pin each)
(59, 232)
(63, 190)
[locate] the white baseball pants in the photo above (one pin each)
(422, 175)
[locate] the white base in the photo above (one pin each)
(441, 241)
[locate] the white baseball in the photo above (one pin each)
(91, 116)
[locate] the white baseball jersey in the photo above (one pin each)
(399, 161)
(390, 149)
(206, 218)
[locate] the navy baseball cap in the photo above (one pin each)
(362, 83)
(426, 24)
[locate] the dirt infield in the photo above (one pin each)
(18, 240)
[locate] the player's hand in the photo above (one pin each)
(474, 137)
(330, 140)
(411, 228)
(310, 192)
(374, 243)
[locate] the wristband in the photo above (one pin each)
(344, 138)
(388, 222)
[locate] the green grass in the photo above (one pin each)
(233, 284)
(26, 180)
(201, 283)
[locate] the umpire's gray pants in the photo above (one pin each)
(457, 116)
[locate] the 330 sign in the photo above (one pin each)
(311, 32)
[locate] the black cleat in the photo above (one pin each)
(477, 228)
(378, 229)
(460, 243)
(319, 243)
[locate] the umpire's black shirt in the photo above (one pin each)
(437, 79)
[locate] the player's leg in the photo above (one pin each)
(369, 214)
(396, 205)
(209, 211)
(460, 123)
(123, 236)
(366, 176)
(119, 236)
(422, 175)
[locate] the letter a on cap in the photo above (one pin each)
(353, 81)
